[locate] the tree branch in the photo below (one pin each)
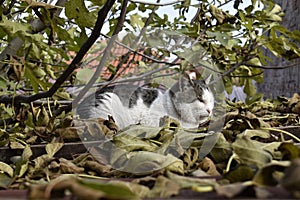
(74, 64)
(139, 53)
(134, 45)
(274, 67)
(105, 55)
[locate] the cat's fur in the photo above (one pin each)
(189, 101)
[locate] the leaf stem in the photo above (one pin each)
(230, 161)
(284, 132)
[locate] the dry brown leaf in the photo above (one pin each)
(209, 167)
(67, 167)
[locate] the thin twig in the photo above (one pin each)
(274, 67)
(245, 76)
(237, 65)
(139, 53)
(129, 79)
(223, 4)
(135, 43)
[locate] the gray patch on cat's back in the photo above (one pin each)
(100, 97)
(147, 95)
(128, 95)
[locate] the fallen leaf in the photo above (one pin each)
(144, 162)
(67, 167)
(209, 167)
(231, 190)
(239, 174)
(53, 147)
(5, 180)
(101, 169)
(164, 188)
(250, 153)
(5, 168)
(291, 179)
(289, 151)
(189, 182)
(271, 173)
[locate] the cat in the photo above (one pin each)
(189, 101)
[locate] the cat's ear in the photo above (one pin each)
(207, 80)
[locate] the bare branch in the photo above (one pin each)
(139, 53)
(274, 67)
(134, 44)
(237, 65)
(245, 76)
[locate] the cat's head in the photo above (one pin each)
(192, 99)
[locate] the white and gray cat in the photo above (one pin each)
(189, 101)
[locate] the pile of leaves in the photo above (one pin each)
(256, 154)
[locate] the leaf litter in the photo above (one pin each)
(257, 150)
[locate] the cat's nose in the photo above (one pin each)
(208, 111)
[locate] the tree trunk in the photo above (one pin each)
(283, 81)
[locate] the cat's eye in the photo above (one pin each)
(200, 99)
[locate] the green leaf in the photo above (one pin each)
(271, 173)
(76, 9)
(116, 189)
(4, 137)
(255, 62)
(53, 147)
(220, 37)
(222, 149)
(191, 182)
(5, 180)
(12, 28)
(289, 151)
(34, 81)
(6, 169)
(249, 88)
(144, 162)
(240, 174)
(250, 153)
(27, 153)
(3, 82)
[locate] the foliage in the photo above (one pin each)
(235, 40)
